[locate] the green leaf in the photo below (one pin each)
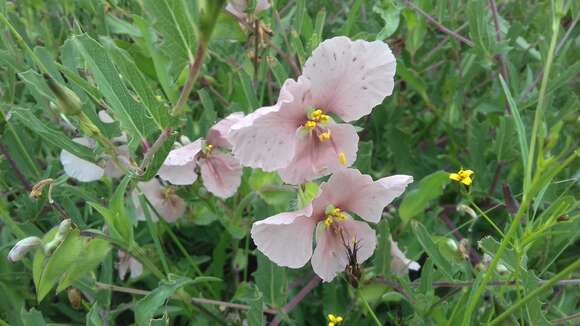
(55, 265)
(32, 317)
(417, 200)
(383, 254)
(490, 246)
(93, 318)
(272, 281)
(390, 14)
(94, 252)
(364, 156)
(116, 216)
(52, 136)
(131, 114)
(520, 128)
(270, 188)
(158, 159)
(413, 80)
(251, 295)
(133, 76)
(146, 308)
(431, 249)
(249, 92)
(173, 21)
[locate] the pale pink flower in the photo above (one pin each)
(128, 264)
(163, 199)
(238, 8)
(220, 171)
(286, 238)
(298, 135)
(400, 264)
(85, 171)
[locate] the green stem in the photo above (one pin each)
(369, 309)
(194, 69)
(536, 292)
(153, 234)
(540, 108)
(482, 213)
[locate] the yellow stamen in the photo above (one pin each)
(324, 136)
(463, 176)
(334, 320)
(342, 158)
(208, 148)
(310, 124)
(328, 221)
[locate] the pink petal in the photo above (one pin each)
(170, 207)
(350, 78)
(400, 264)
(180, 175)
(353, 191)
(329, 257)
(111, 168)
(266, 138)
(372, 199)
(286, 238)
(365, 236)
(221, 174)
(314, 159)
(217, 135)
(185, 154)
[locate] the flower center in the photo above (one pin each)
(208, 149)
(316, 125)
(334, 215)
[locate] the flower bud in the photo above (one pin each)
(67, 101)
(64, 227)
(74, 297)
(464, 209)
(22, 247)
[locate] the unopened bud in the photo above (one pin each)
(37, 188)
(464, 209)
(22, 247)
(74, 297)
(464, 248)
(64, 227)
(88, 127)
(67, 101)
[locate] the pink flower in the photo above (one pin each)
(128, 264)
(163, 199)
(298, 135)
(400, 264)
(286, 238)
(221, 173)
(238, 8)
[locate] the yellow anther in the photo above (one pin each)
(324, 136)
(324, 118)
(328, 221)
(310, 124)
(463, 176)
(334, 320)
(208, 148)
(342, 158)
(316, 114)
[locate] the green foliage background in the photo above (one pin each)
(450, 109)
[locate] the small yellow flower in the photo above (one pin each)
(463, 176)
(334, 320)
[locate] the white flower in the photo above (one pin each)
(128, 264)
(22, 247)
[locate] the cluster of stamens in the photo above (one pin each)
(334, 215)
(317, 120)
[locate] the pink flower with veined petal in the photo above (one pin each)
(163, 199)
(298, 135)
(220, 171)
(286, 238)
